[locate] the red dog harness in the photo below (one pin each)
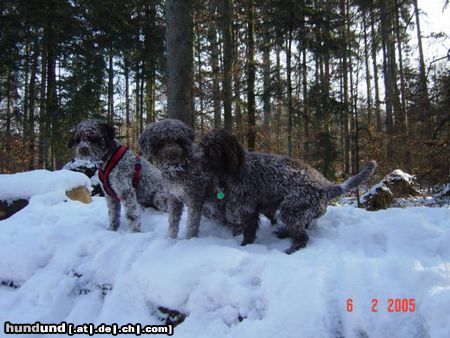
(103, 175)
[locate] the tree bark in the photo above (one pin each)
(424, 114)
(127, 98)
(289, 89)
(377, 106)
(346, 115)
(214, 50)
(227, 31)
(110, 85)
(179, 34)
(267, 87)
(32, 95)
(366, 63)
(251, 132)
(52, 121)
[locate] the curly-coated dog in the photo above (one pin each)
(255, 182)
(127, 179)
(170, 143)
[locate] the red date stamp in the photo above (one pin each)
(392, 305)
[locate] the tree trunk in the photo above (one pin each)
(110, 85)
(127, 99)
(403, 118)
(214, 50)
(53, 121)
(43, 137)
(141, 97)
(137, 103)
(374, 49)
(227, 31)
(390, 66)
(346, 115)
(237, 91)
(26, 85)
(32, 95)
(424, 114)
(251, 132)
(305, 105)
(366, 63)
(266, 86)
(179, 34)
(279, 98)
(289, 89)
(149, 61)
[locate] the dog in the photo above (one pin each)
(171, 144)
(256, 182)
(126, 178)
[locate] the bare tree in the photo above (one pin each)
(179, 34)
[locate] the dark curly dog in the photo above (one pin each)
(127, 179)
(255, 182)
(170, 143)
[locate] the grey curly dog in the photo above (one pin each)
(127, 179)
(255, 182)
(171, 144)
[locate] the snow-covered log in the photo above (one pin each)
(396, 184)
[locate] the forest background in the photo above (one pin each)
(334, 82)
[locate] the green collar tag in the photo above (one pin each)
(220, 195)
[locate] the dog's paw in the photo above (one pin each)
(136, 229)
(113, 227)
(298, 243)
(246, 241)
(282, 232)
(191, 234)
(172, 234)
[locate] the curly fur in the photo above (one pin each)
(257, 182)
(170, 143)
(94, 141)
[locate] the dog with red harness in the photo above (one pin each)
(126, 178)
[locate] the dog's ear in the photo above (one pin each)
(222, 152)
(108, 132)
(72, 140)
(235, 155)
(190, 134)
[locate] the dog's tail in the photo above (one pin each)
(353, 182)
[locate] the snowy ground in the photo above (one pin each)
(62, 264)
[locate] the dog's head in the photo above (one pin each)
(93, 139)
(169, 142)
(222, 153)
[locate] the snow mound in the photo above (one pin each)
(60, 263)
(399, 175)
(27, 184)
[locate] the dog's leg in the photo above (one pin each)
(297, 211)
(132, 209)
(195, 207)
(249, 229)
(244, 216)
(113, 213)
(175, 211)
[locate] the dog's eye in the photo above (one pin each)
(94, 139)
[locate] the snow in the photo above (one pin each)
(398, 174)
(383, 185)
(36, 182)
(78, 163)
(380, 186)
(68, 266)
